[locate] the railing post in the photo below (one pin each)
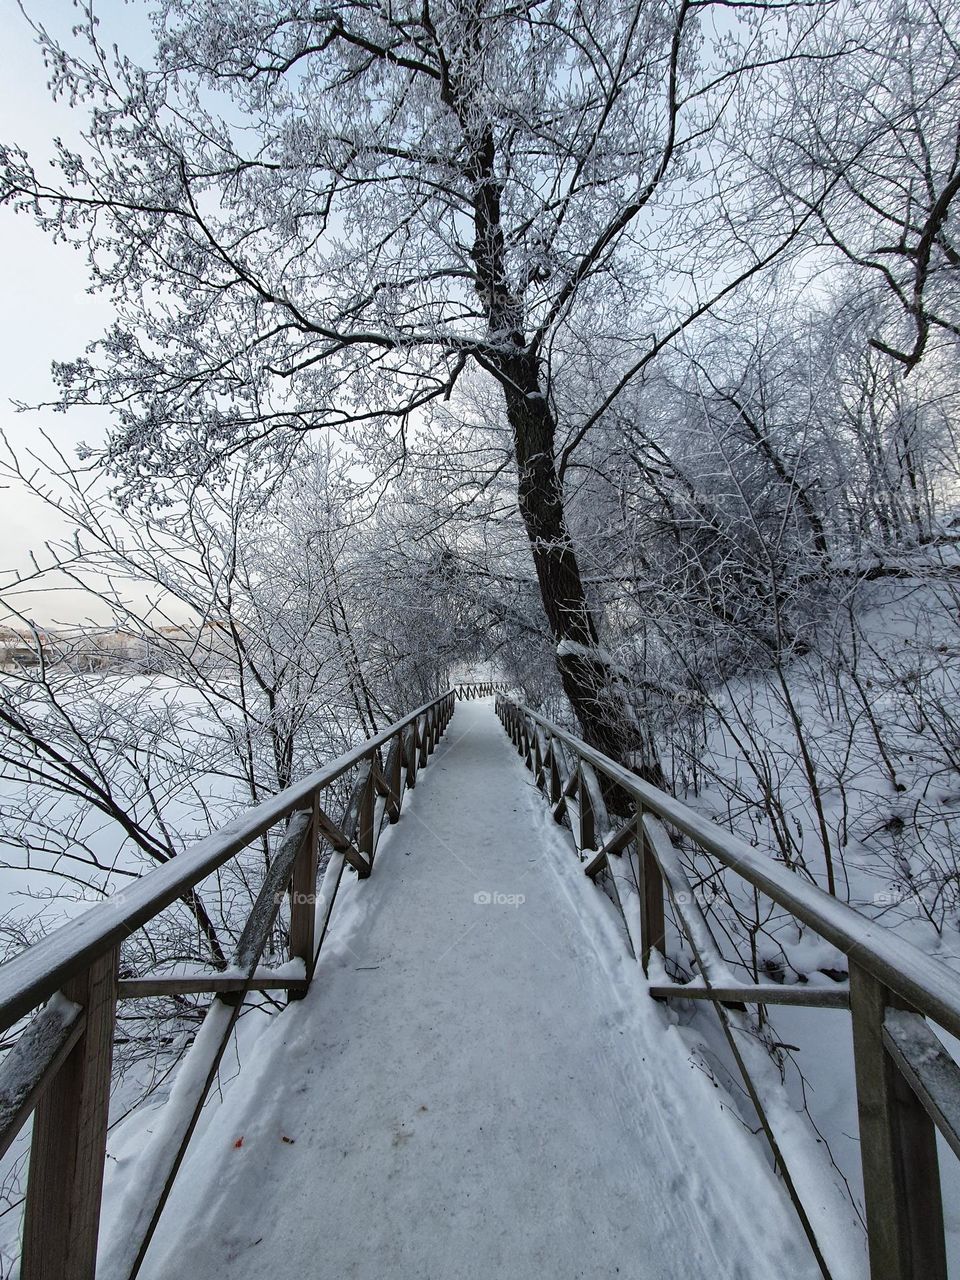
(411, 755)
(537, 758)
(394, 759)
(588, 832)
(303, 897)
(901, 1179)
(68, 1149)
(365, 832)
(556, 787)
(652, 922)
(422, 741)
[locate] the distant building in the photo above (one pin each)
(86, 649)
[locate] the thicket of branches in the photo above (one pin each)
(612, 344)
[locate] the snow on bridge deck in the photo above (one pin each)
(476, 1084)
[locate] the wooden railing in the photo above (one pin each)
(59, 1068)
(469, 692)
(908, 1085)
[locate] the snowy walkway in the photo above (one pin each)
(475, 1088)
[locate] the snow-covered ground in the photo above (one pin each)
(892, 827)
(476, 1084)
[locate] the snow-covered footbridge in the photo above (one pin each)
(479, 1073)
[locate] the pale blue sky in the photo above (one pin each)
(45, 313)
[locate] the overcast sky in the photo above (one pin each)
(46, 313)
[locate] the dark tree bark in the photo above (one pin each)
(585, 673)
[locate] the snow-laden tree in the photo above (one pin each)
(229, 666)
(877, 130)
(319, 216)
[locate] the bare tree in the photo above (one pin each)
(878, 136)
(344, 209)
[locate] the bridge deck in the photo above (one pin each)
(475, 1088)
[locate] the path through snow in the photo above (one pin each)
(475, 1088)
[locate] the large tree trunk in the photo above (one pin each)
(579, 661)
(586, 672)
(587, 675)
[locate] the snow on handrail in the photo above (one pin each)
(40, 970)
(931, 987)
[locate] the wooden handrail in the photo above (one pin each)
(483, 689)
(60, 1070)
(927, 984)
(907, 1084)
(40, 970)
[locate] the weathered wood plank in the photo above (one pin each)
(928, 1068)
(201, 984)
(149, 1182)
(33, 1062)
(898, 1149)
(410, 755)
(338, 837)
(394, 779)
(586, 827)
(255, 932)
(366, 824)
(303, 892)
(837, 997)
(68, 1148)
(596, 865)
(653, 926)
(692, 921)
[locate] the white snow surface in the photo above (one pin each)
(476, 1084)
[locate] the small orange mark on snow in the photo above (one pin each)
(239, 1142)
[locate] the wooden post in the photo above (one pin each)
(537, 759)
(588, 833)
(394, 775)
(555, 784)
(652, 923)
(411, 754)
(303, 898)
(368, 801)
(901, 1178)
(68, 1150)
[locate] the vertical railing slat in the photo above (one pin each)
(303, 894)
(68, 1148)
(652, 921)
(365, 828)
(898, 1151)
